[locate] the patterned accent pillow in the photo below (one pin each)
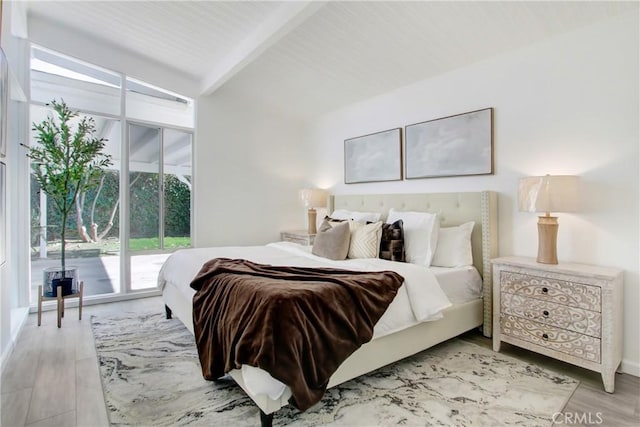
(392, 242)
(365, 239)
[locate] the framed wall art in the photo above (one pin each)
(450, 146)
(373, 158)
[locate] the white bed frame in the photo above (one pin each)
(453, 209)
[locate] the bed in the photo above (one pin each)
(463, 315)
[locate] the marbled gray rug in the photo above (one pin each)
(151, 377)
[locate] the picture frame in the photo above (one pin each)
(373, 158)
(456, 145)
(4, 99)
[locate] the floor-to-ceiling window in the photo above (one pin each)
(142, 200)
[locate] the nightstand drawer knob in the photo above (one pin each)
(545, 337)
(545, 290)
(545, 313)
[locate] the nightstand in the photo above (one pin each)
(571, 312)
(298, 236)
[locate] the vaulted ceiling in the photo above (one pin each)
(310, 57)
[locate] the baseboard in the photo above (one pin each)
(18, 320)
(631, 368)
(98, 299)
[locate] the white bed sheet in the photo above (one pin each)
(460, 284)
(419, 299)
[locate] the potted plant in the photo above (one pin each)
(67, 159)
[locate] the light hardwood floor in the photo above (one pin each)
(590, 403)
(52, 378)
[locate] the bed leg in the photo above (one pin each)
(266, 420)
(167, 310)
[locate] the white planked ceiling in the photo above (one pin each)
(308, 58)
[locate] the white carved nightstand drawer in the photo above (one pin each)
(562, 316)
(562, 340)
(560, 291)
(572, 312)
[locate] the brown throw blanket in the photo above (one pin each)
(298, 324)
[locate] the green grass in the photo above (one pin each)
(111, 246)
(149, 243)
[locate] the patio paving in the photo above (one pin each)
(101, 275)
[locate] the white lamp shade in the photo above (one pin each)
(549, 193)
(313, 197)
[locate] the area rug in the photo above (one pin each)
(151, 376)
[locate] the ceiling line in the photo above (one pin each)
(286, 18)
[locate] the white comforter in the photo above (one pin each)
(419, 299)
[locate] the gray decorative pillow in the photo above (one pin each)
(332, 241)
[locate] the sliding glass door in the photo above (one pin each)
(159, 199)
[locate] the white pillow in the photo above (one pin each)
(355, 215)
(420, 234)
(454, 246)
(365, 239)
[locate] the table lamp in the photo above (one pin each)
(313, 198)
(549, 193)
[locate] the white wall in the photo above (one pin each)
(14, 298)
(568, 105)
(248, 170)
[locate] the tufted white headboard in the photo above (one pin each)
(453, 209)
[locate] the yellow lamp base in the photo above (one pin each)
(547, 238)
